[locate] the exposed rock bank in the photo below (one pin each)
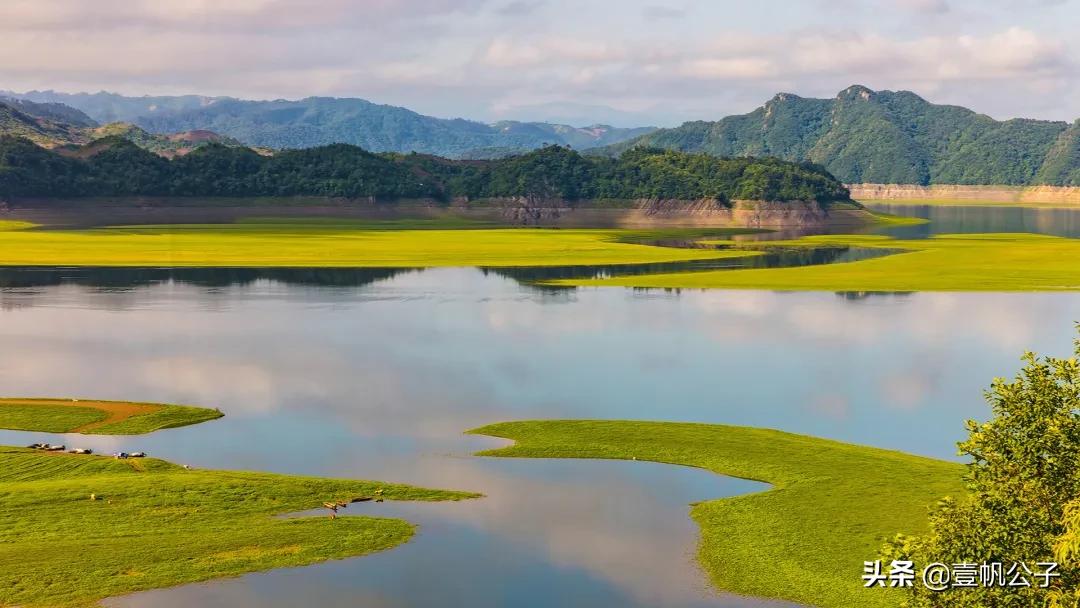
(517, 211)
(996, 194)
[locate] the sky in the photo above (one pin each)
(623, 62)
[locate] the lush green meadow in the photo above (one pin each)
(957, 262)
(155, 524)
(831, 506)
(333, 244)
(97, 417)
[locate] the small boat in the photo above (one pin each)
(137, 455)
(55, 448)
(36, 446)
(120, 455)
(82, 451)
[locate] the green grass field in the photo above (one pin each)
(94, 417)
(973, 262)
(338, 243)
(831, 506)
(156, 525)
(967, 262)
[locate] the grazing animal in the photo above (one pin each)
(334, 506)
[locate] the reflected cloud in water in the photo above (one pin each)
(379, 379)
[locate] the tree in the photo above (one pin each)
(1024, 483)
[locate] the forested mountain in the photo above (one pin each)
(865, 136)
(42, 123)
(117, 167)
(106, 107)
(54, 125)
(317, 121)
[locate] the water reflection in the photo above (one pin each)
(385, 374)
(972, 219)
(772, 257)
(126, 278)
(549, 533)
(108, 279)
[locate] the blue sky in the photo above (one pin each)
(622, 61)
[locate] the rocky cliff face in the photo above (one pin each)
(656, 212)
(996, 194)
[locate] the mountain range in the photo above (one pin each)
(860, 135)
(316, 121)
(887, 137)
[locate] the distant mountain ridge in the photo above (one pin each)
(317, 121)
(861, 136)
(61, 127)
(887, 137)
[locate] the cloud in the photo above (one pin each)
(520, 8)
(663, 12)
(483, 58)
(235, 15)
(937, 7)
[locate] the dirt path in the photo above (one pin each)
(115, 411)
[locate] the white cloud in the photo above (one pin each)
(483, 58)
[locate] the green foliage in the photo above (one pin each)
(1023, 473)
(1062, 164)
(865, 136)
(114, 166)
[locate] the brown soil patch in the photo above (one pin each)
(115, 411)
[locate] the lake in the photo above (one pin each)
(376, 374)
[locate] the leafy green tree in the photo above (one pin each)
(115, 166)
(1024, 482)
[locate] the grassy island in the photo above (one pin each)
(94, 417)
(953, 262)
(831, 506)
(153, 524)
(338, 243)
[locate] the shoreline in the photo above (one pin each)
(958, 195)
(638, 213)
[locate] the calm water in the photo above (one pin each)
(948, 220)
(376, 374)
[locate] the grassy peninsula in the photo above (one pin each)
(334, 244)
(95, 417)
(955, 262)
(831, 506)
(155, 524)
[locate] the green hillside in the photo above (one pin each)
(44, 124)
(116, 167)
(865, 136)
(61, 127)
(1062, 165)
